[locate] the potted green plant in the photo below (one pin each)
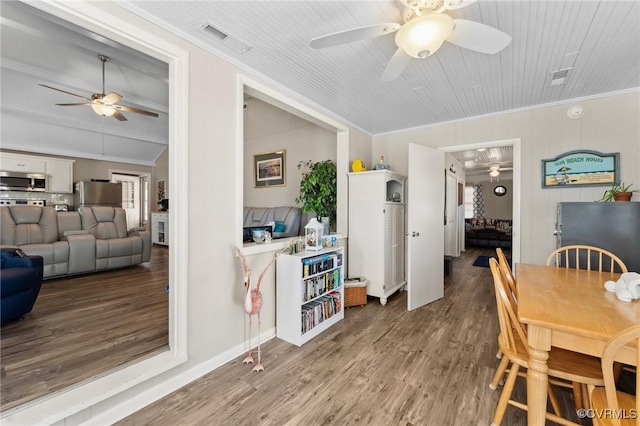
(318, 188)
(618, 192)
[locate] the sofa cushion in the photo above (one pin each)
(104, 222)
(28, 225)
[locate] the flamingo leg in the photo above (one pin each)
(259, 366)
(249, 358)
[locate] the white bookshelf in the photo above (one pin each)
(305, 285)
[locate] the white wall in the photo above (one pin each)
(609, 124)
(216, 325)
(496, 207)
(268, 128)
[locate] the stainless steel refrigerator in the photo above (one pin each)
(89, 193)
(612, 226)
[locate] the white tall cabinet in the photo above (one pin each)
(377, 231)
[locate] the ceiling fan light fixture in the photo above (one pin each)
(423, 36)
(105, 110)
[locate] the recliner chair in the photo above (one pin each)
(20, 280)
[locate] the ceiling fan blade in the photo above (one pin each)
(457, 4)
(64, 91)
(396, 65)
(85, 103)
(119, 116)
(478, 37)
(355, 34)
(136, 110)
(112, 98)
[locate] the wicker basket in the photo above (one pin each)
(355, 292)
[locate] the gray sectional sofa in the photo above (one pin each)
(91, 239)
(286, 219)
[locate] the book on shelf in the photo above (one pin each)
(315, 312)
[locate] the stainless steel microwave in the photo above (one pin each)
(16, 181)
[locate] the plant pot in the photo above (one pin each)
(623, 196)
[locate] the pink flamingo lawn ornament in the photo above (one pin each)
(253, 305)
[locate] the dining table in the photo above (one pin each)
(570, 309)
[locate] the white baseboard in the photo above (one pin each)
(141, 400)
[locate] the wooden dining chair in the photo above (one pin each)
(595, 258)
(610, 406)
(508, 275)
(564, 367)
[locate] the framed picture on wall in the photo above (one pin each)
(161, 190)
(581, 168)
(269, 169)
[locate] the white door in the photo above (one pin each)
(451, 225)
(425, 226)
(130, 197)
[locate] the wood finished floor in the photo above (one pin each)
(85, 326)
(382, 365)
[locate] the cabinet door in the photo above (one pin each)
(23, 164)
(59, 176)
(398, 244)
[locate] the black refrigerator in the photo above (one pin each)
(612, 226)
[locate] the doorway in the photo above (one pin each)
(135, 197)
(514, 174)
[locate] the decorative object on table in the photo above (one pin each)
(269, 169)
(618, 192)
(581, 168)
(627, 288)
(163, 205)
(326, 225)
(253, 304)
(295, 246)
(396, 197)
(258, 235)
(358, 165)
(382, 165)
(355, 292)
(319, 188)
(313, 233)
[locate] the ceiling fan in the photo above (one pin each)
(424, 30)
(104, 104)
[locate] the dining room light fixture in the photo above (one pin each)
(422, 36)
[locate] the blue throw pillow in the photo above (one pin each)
(280, 227)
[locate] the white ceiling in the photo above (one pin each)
(38, 48)
(600, 39)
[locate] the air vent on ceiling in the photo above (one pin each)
(216, 32)
(227, 39)
(558, 77)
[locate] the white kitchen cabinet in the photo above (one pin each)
(10, 162)
(309, 293)
(160, 228)
(59, 175)
(377, 231)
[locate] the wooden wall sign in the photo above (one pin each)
(581, 168)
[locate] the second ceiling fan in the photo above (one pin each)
(104, 104)
(425, 28)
